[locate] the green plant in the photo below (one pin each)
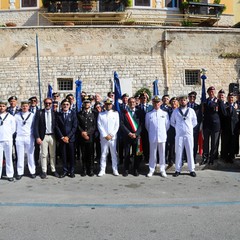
(187, 23)
(184, 7)
(143, 90)
(216, 1)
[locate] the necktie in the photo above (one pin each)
(65, 116)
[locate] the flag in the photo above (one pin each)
(50, 91)
(155, 87)
(203, 97)
(78, 95)
(117, 92)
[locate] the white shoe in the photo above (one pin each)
(163, 174)
(150, 174)
(115, 173)
(101, 173)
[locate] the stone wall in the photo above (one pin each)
(136, 53)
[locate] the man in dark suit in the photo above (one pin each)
(87, 128)
(131, 127)
(66, 126)
(211, 127)
(44, 134)
(197, 108)
(230, 128)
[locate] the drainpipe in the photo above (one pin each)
(165, 42)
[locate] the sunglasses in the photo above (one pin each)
(48, 103)
(66, 104)
(33, 100)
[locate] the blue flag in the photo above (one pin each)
(203, 97)
(78, 95)
(155, 87)
(50, 91)
(117, 92)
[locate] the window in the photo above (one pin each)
(192, 77)
(142, 3)
(172, 3)
(65, 84)
(29, 3)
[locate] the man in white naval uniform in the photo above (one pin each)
(157, 123)
(25, 140)
(7, 129)
(184, 119)
(108, 125)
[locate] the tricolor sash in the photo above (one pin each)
(132, 122)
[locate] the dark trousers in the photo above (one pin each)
(67, 151)
(195, 142)
(127, 146)
(87, 156)
(228, 145)
(214, 136)
(36, 153)
(145, 145)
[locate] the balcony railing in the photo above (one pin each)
(62, 6)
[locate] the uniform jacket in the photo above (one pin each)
(211, 119)
(87, 123)
(230, 118)
(157, 123)
(184, 124)
(125, 125)
(66, 127)
(40, 124)
(108, 123)
(10, 110)
(7, 127)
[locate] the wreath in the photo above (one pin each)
(143, 90)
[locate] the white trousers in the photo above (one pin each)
(180, 143)
(48, 143)
(154, 146)
(6, 146)
(25, 145)
(105, 146)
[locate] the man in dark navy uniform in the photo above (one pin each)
(230, 128)
(87, 128)
(145, 107)
(197, 108)
(211, 127)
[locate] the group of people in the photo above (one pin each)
(165, 131)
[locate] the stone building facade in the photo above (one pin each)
(140, 54)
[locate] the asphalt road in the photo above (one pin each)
(205, 207)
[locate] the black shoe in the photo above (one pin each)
(32, 176)
(210, 162)
(125, 173)
(18, 177)
(193, 174)
(55, 174)
(136, 173)
(10, 179)
(84, 173)
(43, 175)
(170, 164)
(203, 162)
(72, 175)
(64, 175)
(91, 174)
(176, 174)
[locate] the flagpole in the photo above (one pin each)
(38, 67)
